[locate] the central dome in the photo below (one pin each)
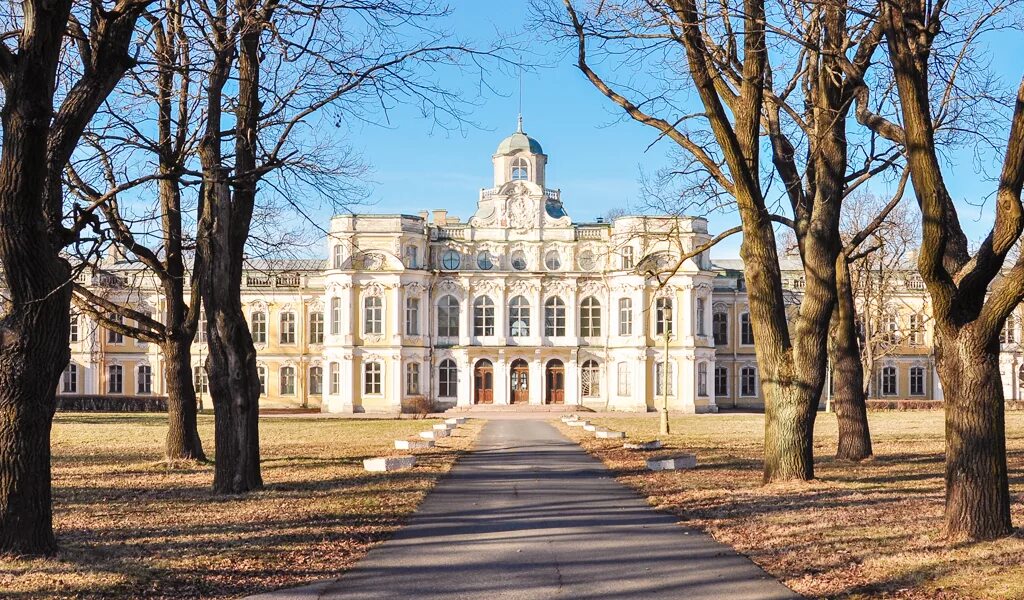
(519, 141)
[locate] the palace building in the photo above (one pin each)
(518, 304)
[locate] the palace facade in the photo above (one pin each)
(518, 304)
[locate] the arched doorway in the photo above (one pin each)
(483, 382)
(554, 382)
(519, 382)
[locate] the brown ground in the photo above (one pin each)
(860, 530)
(129, 527)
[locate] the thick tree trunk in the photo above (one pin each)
(977, 490)
(183, 442)
(789, 432)
(848, 375)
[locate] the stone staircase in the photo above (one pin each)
(518, 408)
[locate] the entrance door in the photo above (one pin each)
(520, 382)
(483, 378)
(555, 382)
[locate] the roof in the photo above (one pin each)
(519, 141)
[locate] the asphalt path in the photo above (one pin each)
(529, 515)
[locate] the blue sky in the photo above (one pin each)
(595, 157)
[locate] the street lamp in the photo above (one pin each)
(666, 320)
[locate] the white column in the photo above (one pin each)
(465, 309)
(536, 316)
(397, 311)
(684, 316)
(572, 380)
(639, 373)
(347, 387)
(572, 312)
(536, 379)
(464, 390)
(501, 379)
(397, 370)
(500, 318)
(349, 305)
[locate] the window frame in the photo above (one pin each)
(287, 334)
(554, 317)
(752, 370)
(139, 379)
(115, 373)
(373, 378)
(412, 316)
(484, 323)
(519, 317)
(590, 388)
(625, 317)
(590, 317)
(447, 379)
(258, 323)
(412, 378)
(448, 315)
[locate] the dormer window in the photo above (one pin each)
(520, 170)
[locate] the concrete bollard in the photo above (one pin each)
(675, 463)
(389, 463)
(610, 435)
(413, 444)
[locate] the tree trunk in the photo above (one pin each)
(977, 490)
(848, 375)
(183, 442)
(789, 432)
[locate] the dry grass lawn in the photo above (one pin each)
(867, 530)
(129, 527)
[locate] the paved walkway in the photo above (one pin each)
(530, 515)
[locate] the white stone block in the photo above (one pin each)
(389, 463)
(445, 426)
(578, 423)
(455, 420)
(567, 418)
(434, 434)
(610, 435)
(683, 461)
(652, 445)
(591, 427)
(413, 444)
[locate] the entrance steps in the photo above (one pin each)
(518, 408)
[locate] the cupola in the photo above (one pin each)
(519, 157)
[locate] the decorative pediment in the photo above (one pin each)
(374, 289)
(488, 286)
(450, 285)
(517, 287)
(592, 288)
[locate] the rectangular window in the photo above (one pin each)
(917, 330)
(721, 381)
(287, 383)
(316, 328)
(700, 317)
(144, 381)
(663, 316)
(483, 317)
(623, 379)
(114, 337)
(73, 334)
(202, 382)
(746, 330)
(201, 326)
(702, 379)
(372, 378)
(412, 379)
(889, 387)
(139, 324)
(288, 328)
(748, 381)
(115, 379)
(373, 315)
(627, 258)
(259, 328)
(554, 317)
(261, 373)
(412, 316)
(625, 316)
(335, 373)
(448, 317)
(659, 382)
(917, 381)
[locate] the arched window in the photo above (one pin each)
(519, 317)
(590, 379)
(483, 317)
(554, 317)
(287, 376)
(115, 379)
(720, 327)
(448, 317)
(335, 316)
(316, 327)
(888, 377)
(520, 169)
(590, 317)
(287, 328)
(201, 327)
(1008, 335)
(261, 374)
(259, 327)
(373, 315)
(447, 378)
(316, 380)
(748, 381)
(552, 260)
(625, 316)
(917, 381)
(69, 380)
(702, 379)
(746, 330)
(144, 380)
(372, 378)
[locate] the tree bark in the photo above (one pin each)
(977, 489)
(183, 442)
(849, 399)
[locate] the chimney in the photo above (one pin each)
(440, 218)
(424, 215)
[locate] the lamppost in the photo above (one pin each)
(666, 320)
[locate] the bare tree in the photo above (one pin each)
(826, 49)
(38, 140)
(968, 315)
